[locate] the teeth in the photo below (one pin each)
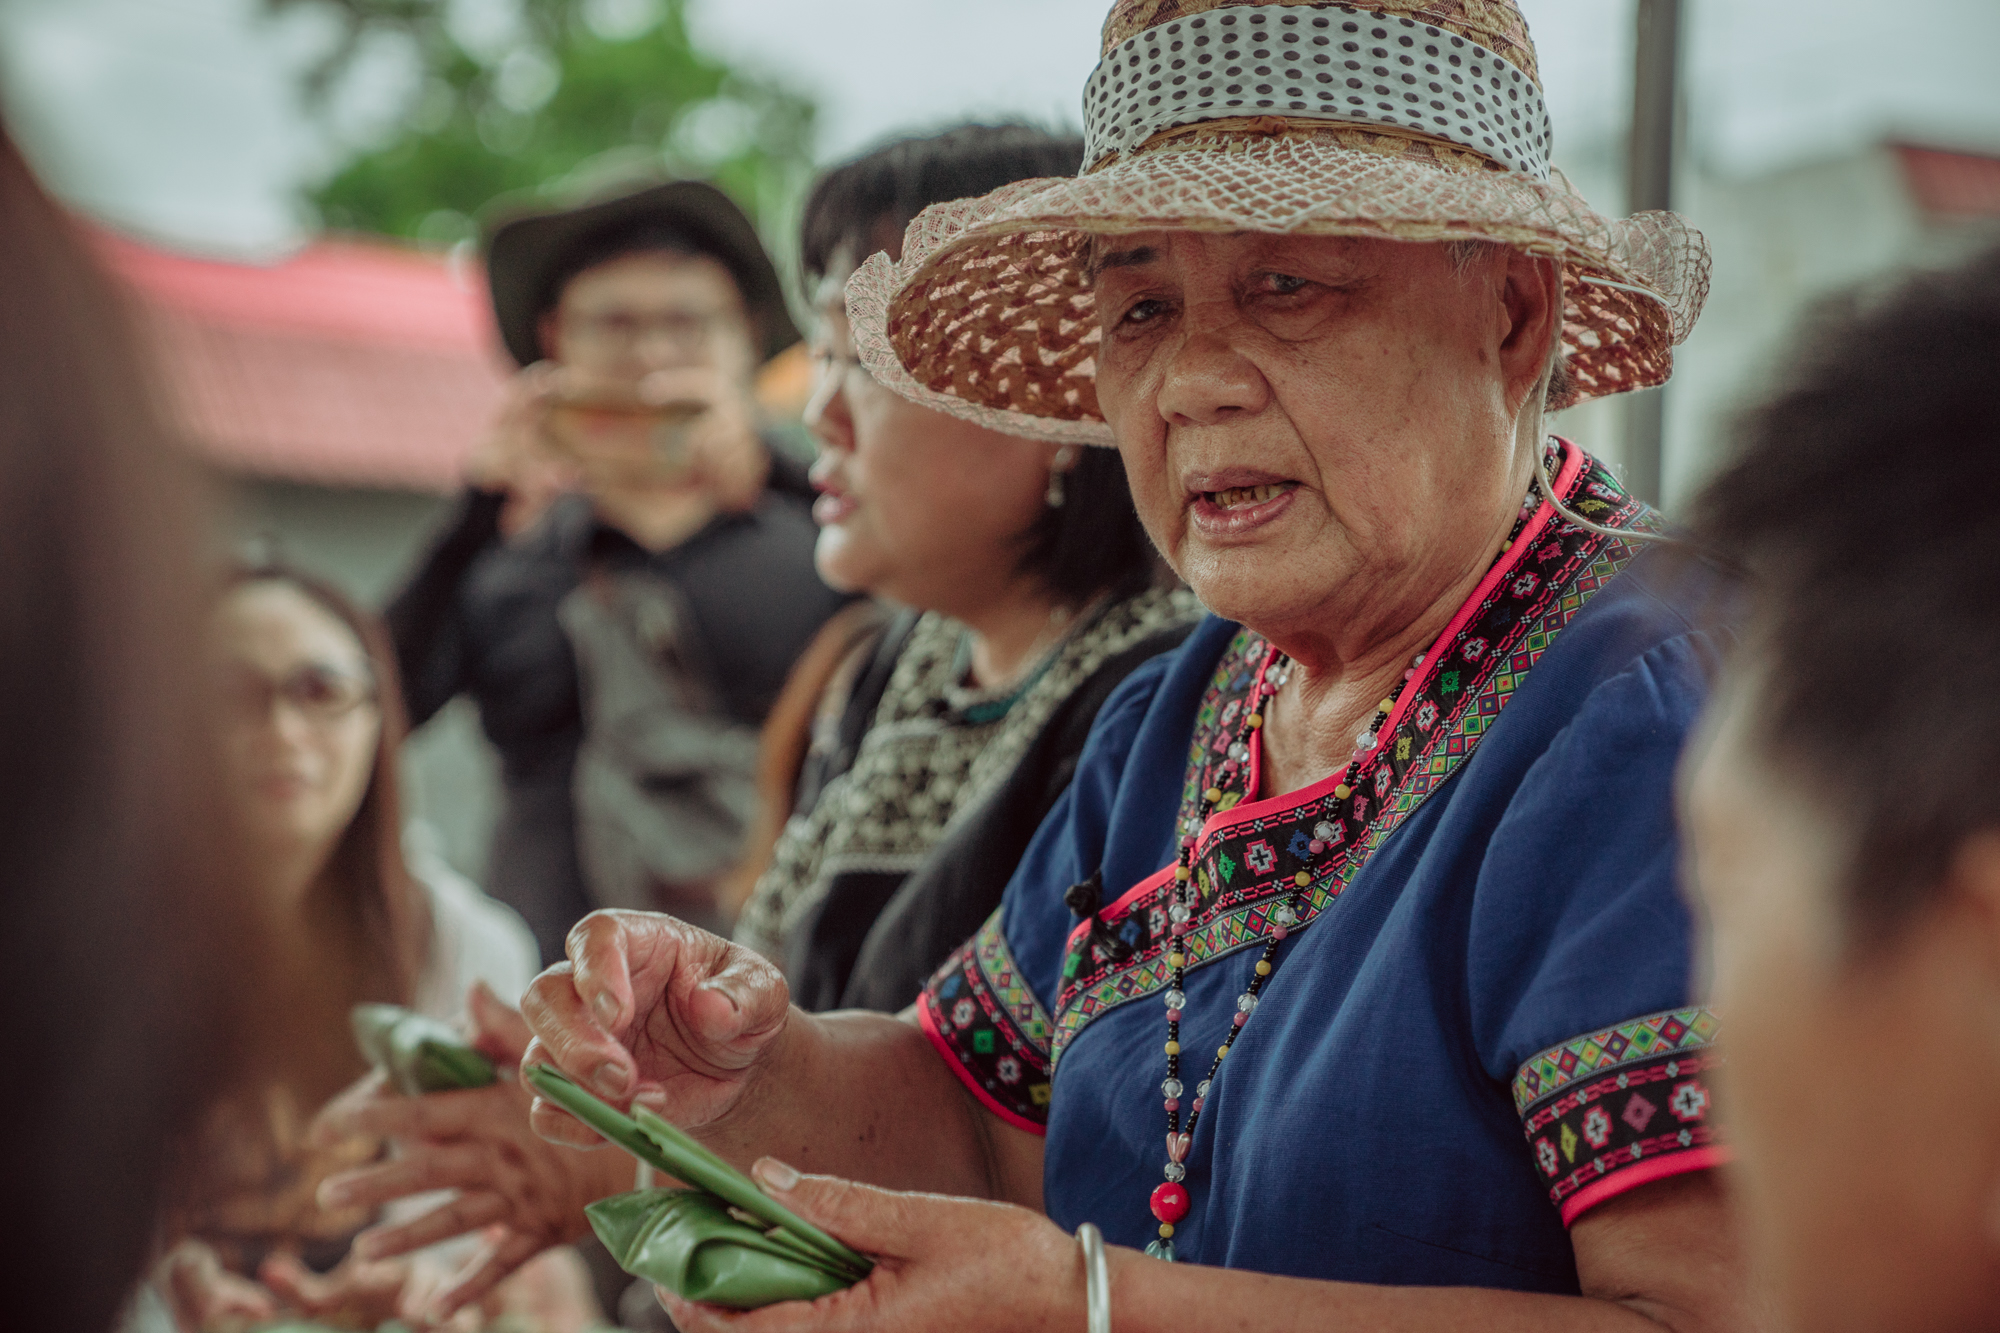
(1238, 496)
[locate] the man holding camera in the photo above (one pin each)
(630, 574)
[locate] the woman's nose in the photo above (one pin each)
(1209, 382)
(827, 417)
(287, 725)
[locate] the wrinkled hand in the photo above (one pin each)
(727, 455)
(522, 1193)
(940, 1262)
(653, 1010)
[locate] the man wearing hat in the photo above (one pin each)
(629, 576)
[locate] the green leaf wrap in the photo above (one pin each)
(687, 1241)
(421, 1054)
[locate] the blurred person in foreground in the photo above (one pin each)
(936, 745)
(311, 732)
(130, 956)
(1349, 984)
(624, 642)
(1844, 813)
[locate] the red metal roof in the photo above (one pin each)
(1948, 184)
(348, 364)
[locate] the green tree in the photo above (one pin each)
(568, 84)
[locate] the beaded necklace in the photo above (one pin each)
(1170, 1201)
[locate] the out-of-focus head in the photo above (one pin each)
(1316, 282)
(670, 277)
(303, 726)
(131, 966)
(927, 509)
(1844, 810)
(632, 318)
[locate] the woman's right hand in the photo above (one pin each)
(651, 1010)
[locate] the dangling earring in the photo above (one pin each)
(1063, 461)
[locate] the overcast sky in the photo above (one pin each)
(177, 117)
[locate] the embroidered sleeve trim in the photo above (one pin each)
(1612, 1110)
(992, 1031)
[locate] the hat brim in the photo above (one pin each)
(989, 315)
(527, 247)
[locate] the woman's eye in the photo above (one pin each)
(1284, 284)
(1144, 311)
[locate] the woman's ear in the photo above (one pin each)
(1972, 893)
(1533, 299)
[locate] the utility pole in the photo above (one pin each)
(1650, 185)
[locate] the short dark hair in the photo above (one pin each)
(891, 184)
(1864, 506)
(1093, 542)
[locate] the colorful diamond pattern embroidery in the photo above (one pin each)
(1608, 1089)
(1656, 1034)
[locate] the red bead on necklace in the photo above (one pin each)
(1170, 1201)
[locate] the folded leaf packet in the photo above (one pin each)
(690, 1242)
(421, 1054)
(723, 1241)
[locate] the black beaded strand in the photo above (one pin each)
(1170, 1201)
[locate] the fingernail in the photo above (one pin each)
(606, 1009)
(774, 1174)
(610, 1078)
(334, 1193)
(724, 991)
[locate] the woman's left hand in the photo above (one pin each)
(523, 1194)
(940, 1262)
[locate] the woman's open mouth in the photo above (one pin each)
(832, 507)
(1238, 497)
(1232, 511)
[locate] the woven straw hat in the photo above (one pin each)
(1409, 120)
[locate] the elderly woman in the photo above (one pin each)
(1845, 821)
(1352, 960)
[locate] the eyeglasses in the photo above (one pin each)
(685, 331)
(319, 693)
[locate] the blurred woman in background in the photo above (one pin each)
(909, 759)
(311, 729)
(939, 743)
(128, 953)
(1844, 810)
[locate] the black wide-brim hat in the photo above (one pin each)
(529, 245)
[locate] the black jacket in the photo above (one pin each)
(479, 618)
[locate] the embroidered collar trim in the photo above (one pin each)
(1246, 855)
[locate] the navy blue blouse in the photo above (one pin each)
(1484, 1026)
